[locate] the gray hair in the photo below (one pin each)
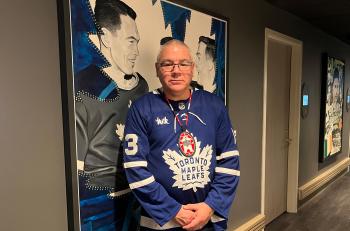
(171, 42)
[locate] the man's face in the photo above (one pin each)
(336, 88)
(206, 68)
(177, 80)
(124, 45)
(201, 59)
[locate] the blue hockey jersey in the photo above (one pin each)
(161, 176)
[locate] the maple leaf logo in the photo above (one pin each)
(190, 172)
(120, 131)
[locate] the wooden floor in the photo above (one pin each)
(327, 211)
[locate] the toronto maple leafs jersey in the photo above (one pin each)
(167, 168)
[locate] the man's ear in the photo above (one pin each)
(157, 69)
(106, 37)
(193, 67)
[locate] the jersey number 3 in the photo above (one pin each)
(131, 140)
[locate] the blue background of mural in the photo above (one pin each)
(84, 53)
(218, 28)
(176, 17)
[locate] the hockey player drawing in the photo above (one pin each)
(103, 96)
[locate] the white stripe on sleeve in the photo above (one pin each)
(80, 165)
(133, 164)
(142, 183)
(227, 171)
(227, 154)
(119, 193)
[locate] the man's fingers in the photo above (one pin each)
(203, 213)
(191, 226)
(182, 222)
(184, 216)
(190, 207)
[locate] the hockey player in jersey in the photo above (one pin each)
(180, 153)
(103, 96)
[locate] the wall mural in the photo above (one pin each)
(114, 48)
(332, 107)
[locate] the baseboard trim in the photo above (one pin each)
(257, 223)
(322, 179)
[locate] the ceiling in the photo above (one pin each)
(331, 16)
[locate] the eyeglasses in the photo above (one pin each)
(170, 66)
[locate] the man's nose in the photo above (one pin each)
(176, 68)
(134, 50)
(176, 72)
(137, 51)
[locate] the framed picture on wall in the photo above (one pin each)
(108, 50)
(331, 107)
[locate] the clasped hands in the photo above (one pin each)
(194, 216)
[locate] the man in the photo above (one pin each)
(205, 63)
(103, 96)
(180, 153)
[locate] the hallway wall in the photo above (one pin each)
(247, 22)
(315, 43)
(32, 164)
(32, 195)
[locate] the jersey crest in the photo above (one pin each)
(187, 144)
(190, 172)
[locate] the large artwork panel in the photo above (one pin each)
(113, 61)
(332, 107)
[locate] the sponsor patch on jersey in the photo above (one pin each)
(190, 172)
(162, 121)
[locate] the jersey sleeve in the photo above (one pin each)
(226, 176)
(151, 195)
(81, 130)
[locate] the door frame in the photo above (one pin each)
(294, 118)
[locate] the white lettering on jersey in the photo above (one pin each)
(162, 121)
(190, 172)
(131, 140)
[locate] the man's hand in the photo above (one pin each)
(202, 215)
(184, 216)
